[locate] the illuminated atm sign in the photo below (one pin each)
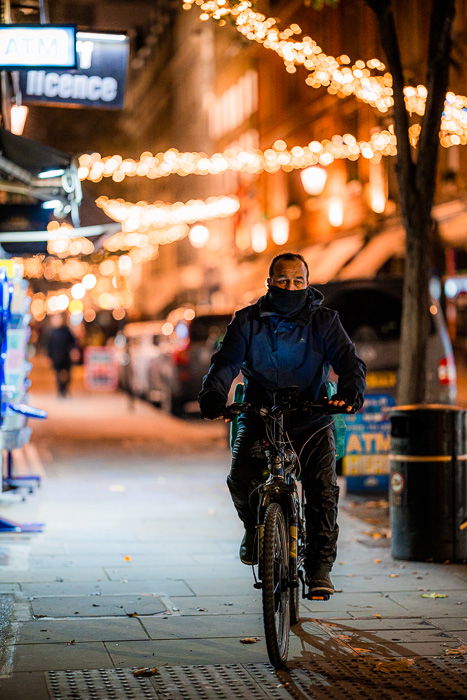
(98, 81)
(42, 45)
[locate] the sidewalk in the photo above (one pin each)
(137, 567)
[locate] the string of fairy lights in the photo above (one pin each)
(333, 73)
(146, 225)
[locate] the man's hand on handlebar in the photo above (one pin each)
(339, 402)
(212, 405)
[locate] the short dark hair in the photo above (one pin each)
(288, 256)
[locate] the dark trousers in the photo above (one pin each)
(318, 474)
(63, 379)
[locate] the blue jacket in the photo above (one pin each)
(274, 351)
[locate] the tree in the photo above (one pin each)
(416, 176)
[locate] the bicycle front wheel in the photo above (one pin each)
(276, 592)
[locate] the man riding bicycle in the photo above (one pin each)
(287, 338)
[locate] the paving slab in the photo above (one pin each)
(100, 606)
(204, 627)
(211, 586)
(449, 623)
(168, 587)
(125, 559)
(396, 582)
(24, 686)
(218, 605)
(43, 657)
(216, 570)
(357, 604)
(388, 623)
(50, 575)
(451, 606)
(193, 651)
(90, 630)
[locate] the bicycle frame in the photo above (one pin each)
(281, 487)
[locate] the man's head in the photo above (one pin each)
(288, 271)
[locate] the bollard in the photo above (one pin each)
(428, 499)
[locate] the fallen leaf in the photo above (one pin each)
(72, 642)
(127, 557)
(433, 595)
(377, 615)
(377, 561)
(396, 665)
(393, 575)
(458, 651)
(133, 614)
(343, 636)
(145, 671)
(361, 651)
(249, 640)
(202, 609)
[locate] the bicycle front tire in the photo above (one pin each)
(275, 585)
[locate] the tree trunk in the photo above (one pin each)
(416, 183)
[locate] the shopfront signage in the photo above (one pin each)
(98, 81)
(39, 45)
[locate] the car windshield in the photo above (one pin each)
(368, 314)
(204, 328)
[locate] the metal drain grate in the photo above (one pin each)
(99, 684)
(317, 679)
(322, 679)
(217, 682)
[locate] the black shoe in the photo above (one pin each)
(248, 549)
(319, 582)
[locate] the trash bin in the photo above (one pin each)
(428, 499)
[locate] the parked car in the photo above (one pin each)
(147, 370)
(198, 340)
(370, 311)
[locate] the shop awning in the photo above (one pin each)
(35, 170)
(375, 254)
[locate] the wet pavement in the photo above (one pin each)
(137, 567)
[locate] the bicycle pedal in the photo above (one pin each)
(319, 597)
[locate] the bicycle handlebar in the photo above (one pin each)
(311, 407)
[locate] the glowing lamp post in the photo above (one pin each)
(313, 179)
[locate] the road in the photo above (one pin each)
(137, 567)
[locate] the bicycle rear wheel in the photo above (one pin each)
(276, 591)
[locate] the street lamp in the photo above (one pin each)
(313, 179)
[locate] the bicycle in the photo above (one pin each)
(281, 533)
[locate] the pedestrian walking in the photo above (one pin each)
(62, 350)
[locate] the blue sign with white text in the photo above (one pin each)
(99, 80)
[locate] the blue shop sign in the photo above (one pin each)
(37, 45)
(99, 80)
(368, 437)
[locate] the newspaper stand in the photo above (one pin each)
(14, 382)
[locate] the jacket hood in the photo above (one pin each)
(313, 302)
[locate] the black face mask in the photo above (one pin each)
(285, 301)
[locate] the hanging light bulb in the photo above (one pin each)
(199, 235)
(259, 238)
(313, 179)
(280, 230)
(18, 117)
(335, 211)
